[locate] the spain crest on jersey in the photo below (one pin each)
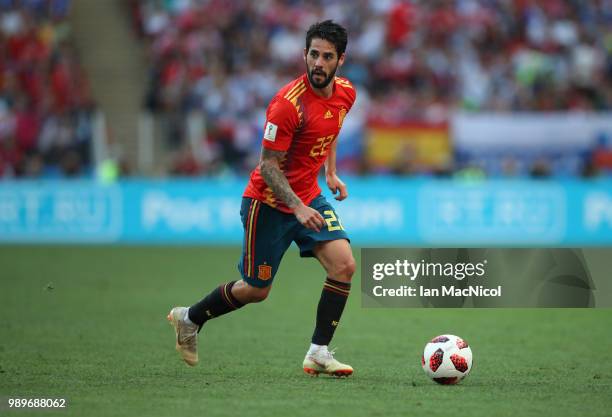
(264, 272)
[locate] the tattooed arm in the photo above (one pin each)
(275, 178)
(269, 166)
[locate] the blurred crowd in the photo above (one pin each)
(215, 65)
(411, 60)
(45, 102)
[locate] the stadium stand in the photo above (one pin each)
(412, 60)
(45, 104)
(416, 64)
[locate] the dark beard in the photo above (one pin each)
(323, 83)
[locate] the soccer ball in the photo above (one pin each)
(447, 359)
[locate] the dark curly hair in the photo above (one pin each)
(330, 31)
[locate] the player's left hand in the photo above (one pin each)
(336, 186)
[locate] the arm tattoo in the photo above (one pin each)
(275, 178)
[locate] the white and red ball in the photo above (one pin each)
(447, 359)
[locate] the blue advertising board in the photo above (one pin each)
(379, 211)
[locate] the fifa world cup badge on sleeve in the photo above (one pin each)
(270, 132)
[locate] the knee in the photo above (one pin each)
(247, 294)
(343, 270)
(257, 295)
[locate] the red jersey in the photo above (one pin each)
(304, 125)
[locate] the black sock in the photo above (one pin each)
(220, 301)
(331, 305)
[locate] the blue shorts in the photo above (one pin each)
(268, 233)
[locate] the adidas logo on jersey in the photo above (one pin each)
(328, 115)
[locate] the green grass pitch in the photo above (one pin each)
(89, 324)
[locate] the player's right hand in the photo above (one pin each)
(309, 217)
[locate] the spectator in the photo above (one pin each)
(45, 102)
(413, 59)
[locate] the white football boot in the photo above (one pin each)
(321, 361)
(186, 335)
